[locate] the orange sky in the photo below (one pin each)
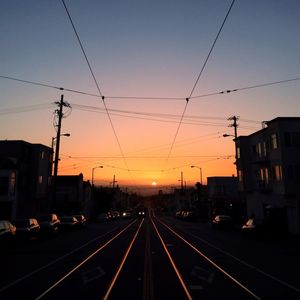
(147, 49)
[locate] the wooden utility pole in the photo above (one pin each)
(59, 113)
(235, 125)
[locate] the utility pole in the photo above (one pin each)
(235, 125)
(60, 115)
(181, 181)
(114, 182)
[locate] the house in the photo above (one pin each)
(25, 178)
(268, 164)
(223, 196)
(69, 194)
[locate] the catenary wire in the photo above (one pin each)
(211, 49)
(197, 80)
(96, 83)
(152, 98)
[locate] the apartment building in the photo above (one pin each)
(25, 179)
(268, 164)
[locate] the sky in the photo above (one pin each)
(154, 49)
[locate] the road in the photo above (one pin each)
(157, 257)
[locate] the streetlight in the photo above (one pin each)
(54, 138)
(200, 172)
(236, 150)
(226, 135)
(93, 169)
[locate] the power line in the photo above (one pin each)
(250, 87)
(177, 131)
(27, 108)
(211, 49)
(82, 48)
(228, 91)
(96, 82)
(201, 72)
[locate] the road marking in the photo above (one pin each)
(203, 274)
(3, 288)
(82, 263)
(92, 274)
(211, 262)
(245, 263)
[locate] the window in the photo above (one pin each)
(240, 175)
(274, 141)
(277, 172)
(258, 149)
(266, 175)
(238, 152)
(42, 154)
(264, 145)
(263, 177)
(40, 179)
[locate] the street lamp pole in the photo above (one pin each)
(54, 138)
(93, 169)
(200, 172)
(235, 148)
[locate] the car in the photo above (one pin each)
(49, 224)
(27, 228)
(68, 223)
(179, 214)
(7, 232)
(126, 214)
(141, 213)
(222, 222)
(103, 217)
(81, 220)
(252, 228)
(189, 215)
(115, 214)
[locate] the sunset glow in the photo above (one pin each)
(146, 60)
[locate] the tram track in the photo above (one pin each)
(75, 258)
(256, 282)
(149, 258)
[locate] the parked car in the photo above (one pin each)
(49, 224)
(68, 223)
(7, 232)
(252, 228)
(189, 215)
(115, 214)
(27, 228)
(103, 217)
(222, 222)
(81, 220)
(126, 214)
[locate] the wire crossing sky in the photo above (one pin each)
(146, 58)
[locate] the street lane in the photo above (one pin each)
(158, 257)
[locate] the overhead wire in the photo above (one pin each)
(228, 91)
(28, 108)
(211, 49)
(198, 78)
(96, 82)
(251, 87)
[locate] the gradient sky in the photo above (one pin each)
(147, 49)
